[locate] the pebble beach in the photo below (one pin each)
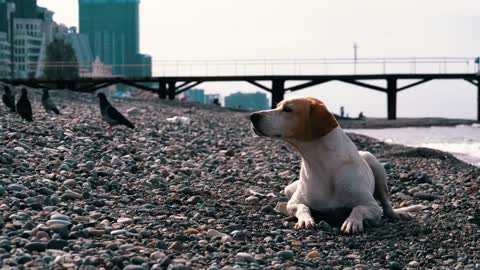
(204, 194)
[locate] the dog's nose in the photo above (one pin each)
(255, 117)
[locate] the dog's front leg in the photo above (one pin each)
(354, 223)
(290, 189)
(301, 212)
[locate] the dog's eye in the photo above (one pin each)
(287, 109)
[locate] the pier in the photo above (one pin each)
(175, 77)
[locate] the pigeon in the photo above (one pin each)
(9, 99)
(24, 108)
(48, 103)
(111, 115)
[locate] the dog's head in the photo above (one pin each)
(297, 119)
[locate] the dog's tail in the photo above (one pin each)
(381, 190)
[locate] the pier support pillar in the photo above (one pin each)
(171, 90)
(478, 100)
(278, 92)
(392, 98)
(162, 90)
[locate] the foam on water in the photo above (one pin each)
(462, 141)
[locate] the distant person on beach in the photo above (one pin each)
(361, 116)
(342, 111)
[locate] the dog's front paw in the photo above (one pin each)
(352, 226)
(305, 222)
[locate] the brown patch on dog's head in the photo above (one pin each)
(308, 119)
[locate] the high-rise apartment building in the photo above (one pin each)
(112, 27)
(31, 28)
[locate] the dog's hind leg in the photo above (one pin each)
(381, 190)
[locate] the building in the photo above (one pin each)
(31, 28)
(247, 101)
(112, 27)
(99, 69)
(6, 9)
(4, 56)
(193, 95)
(212, 99)
(83, 53)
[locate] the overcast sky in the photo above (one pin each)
(266, 29)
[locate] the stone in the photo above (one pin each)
(36, 246)
(395, 266)
(281, 208)
(424, 196)
(57, 244)
(191, 231)
(24, 259)
(245, 257)
(90, 165)
(70, 195)
(133, 111)
(116, 161)
(95, 232)
(285, 254)
(16, 187)
(59, 222)
(324, 226)
(252, 199)
(313, 254)
(118, 232)
(45, 191)
(70, 182)
(125, 220)
(413, 264)
(214, 233)
(59, 217)
(195, 200)
(20, 149)
(134, 267)
(176, 246)
(157, 255)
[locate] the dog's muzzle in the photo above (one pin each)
(255, 119)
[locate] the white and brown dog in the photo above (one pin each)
(334, 174)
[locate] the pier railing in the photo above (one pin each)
(267, 67)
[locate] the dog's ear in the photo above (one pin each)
(320, 120)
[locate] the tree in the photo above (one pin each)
(61, 62)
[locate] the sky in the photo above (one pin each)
(316, 29)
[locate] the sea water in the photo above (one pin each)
(463, 141)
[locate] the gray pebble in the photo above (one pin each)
(285, 254)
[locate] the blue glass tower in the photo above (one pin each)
(112, 27)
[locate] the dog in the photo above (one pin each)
(333, 174)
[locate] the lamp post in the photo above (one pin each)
(355, 48)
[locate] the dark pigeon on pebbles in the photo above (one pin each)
(9, 99)
(111, 115)
(24, 108)
(48, 103)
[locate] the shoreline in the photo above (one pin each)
(377, 123)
